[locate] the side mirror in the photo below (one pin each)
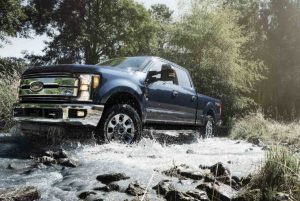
(167, 73)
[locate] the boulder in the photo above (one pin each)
(46, 160)
(219, 170)
(108, 188)
(135, 189)
(175, 195)
(60, 154)
(186, 172)
(218, 190)
(67, 162)
(85, 194)
(163, 187)
(109, 178)
(198, 195)
(28, 193)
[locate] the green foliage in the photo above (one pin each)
(11, 67)
(12, 17)
(279, 173)
(85, 32)
(10, 70)
(209, 41)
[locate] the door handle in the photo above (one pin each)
(193, 98)
(175, 93)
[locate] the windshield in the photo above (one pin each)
(134, 63)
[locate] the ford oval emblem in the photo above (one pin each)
(36, 86)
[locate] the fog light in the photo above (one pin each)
(80, 113)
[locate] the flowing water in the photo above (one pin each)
(142, 162)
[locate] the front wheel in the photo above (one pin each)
(209, 129)
(120, 123)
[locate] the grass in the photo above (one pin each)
(269, 131)
(8, 96)
(280, 172)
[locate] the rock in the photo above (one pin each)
(163, 187)
(67, 162)
(85, 194)
(10, 167)
(49, 153)
(46, 160)
(135, 189)
(189, 151)
(60, 154)
(108, 188)
(198, 195)
(28, 193)
(256, 141)
(219, 170)
(109, 178)
(245, 181)
(219, 190)
(184, 171)
(174, 195)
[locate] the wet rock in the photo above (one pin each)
(108, 188)
(245, 181)
(184, 171)
(219, 190)
(46, 160)
(135, 189)
(163, 187)
(219, 170)
(174, 195)
(60, 154)
(198, 195)
(256, 141)
(10, 167)
(109, 178)
(28, 193)
(67, 162)
(85, 194)
(189, 151)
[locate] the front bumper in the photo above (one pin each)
(70, 114)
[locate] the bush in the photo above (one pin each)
(8, 94)
(279, 174)
(269, 131)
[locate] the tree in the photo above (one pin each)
(86, 31)
(279, 92)
(162, 15)
(12, 17)
(209, 41)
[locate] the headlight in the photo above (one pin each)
(88, 83)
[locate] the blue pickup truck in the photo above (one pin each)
(116, 99)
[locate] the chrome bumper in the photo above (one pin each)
(59, 113)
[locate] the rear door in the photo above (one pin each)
(187, 96)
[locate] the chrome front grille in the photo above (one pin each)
(60, 86)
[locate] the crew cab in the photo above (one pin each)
(116, 98)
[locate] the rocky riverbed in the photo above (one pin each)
(174, 165)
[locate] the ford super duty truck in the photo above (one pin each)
(116, 99)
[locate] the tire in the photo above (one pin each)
(120, 123)
(209, 130)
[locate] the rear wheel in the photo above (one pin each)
(120, 123)
(209, 129)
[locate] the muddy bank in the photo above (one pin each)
(144, 164)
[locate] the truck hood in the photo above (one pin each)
(74, 68)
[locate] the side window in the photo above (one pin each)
(157, 67)
(183, 78)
